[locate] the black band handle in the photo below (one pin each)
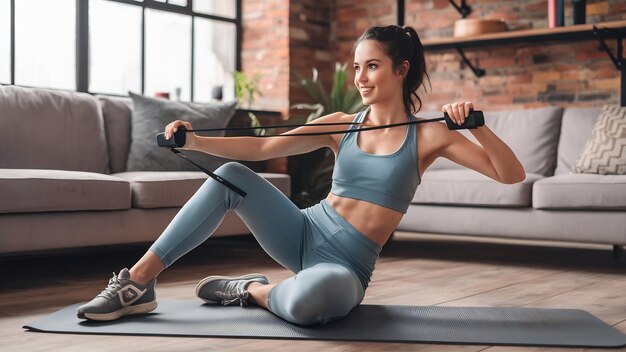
(177, 141)
(475, 119)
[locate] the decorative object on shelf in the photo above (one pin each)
(164, 95)
(312, 172)
(556, 13)
(579, 11)
(551, 13)
(217, 93)
(475, 26)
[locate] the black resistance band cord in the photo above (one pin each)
(474, 120)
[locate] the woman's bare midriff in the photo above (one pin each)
(374, 221)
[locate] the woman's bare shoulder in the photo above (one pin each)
(334, 117)
(435, 135)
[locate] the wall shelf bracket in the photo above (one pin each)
(464, 10)
(600, 34)
(618, 61)
(479, 72)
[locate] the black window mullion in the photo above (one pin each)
(82, 46)
(150, 4)
(193, 51)
(12, 42)
(238, 35)
(143, 50)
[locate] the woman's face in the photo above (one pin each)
(374, 76)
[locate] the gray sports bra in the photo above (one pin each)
(389, 180)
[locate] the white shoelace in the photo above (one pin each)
(229, 298)
(111, 290)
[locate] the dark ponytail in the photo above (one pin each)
(402, 43)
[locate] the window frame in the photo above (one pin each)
(82, 37)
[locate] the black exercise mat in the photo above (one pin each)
(429, 324)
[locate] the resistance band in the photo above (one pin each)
(474, 120)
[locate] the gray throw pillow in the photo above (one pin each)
(151, 115)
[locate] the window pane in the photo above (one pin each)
(115, 47)
(5, 41)
(45, 43)
(168, 53)
(224, 8)
(215, 59)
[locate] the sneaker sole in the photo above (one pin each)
(209, 278)
(137, 309)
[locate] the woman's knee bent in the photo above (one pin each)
(317, 295)
(233, 169)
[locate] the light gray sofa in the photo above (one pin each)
(63, 179)
(551, 204)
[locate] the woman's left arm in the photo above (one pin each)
(495, 159)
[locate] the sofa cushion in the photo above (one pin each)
(151, 189)
(532, 134)
(117, 116)
(150, 116)
(580, 191)
(468, 187)
(51, 129)
(35, 190)
(605, 151)
(575, 131)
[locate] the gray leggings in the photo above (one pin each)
(332, 260)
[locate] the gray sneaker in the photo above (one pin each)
(121, 297)
(228, 290)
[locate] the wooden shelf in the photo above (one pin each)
(567, 33)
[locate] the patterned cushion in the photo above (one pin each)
(605, 151)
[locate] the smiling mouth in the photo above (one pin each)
(366, 90)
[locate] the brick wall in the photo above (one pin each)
(283, 38)
(520, 75)
(265, 50)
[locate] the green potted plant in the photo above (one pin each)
(246, 88)
(313, 171)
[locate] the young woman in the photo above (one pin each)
(332, 246)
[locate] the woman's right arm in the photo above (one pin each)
(254, 148)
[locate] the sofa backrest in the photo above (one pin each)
(575, 131)
(51, 129)
(532, 134)
(117, 114)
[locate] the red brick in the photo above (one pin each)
(618, 7)
(382, 10)
(591, 55)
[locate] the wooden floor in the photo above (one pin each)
(413, 269)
